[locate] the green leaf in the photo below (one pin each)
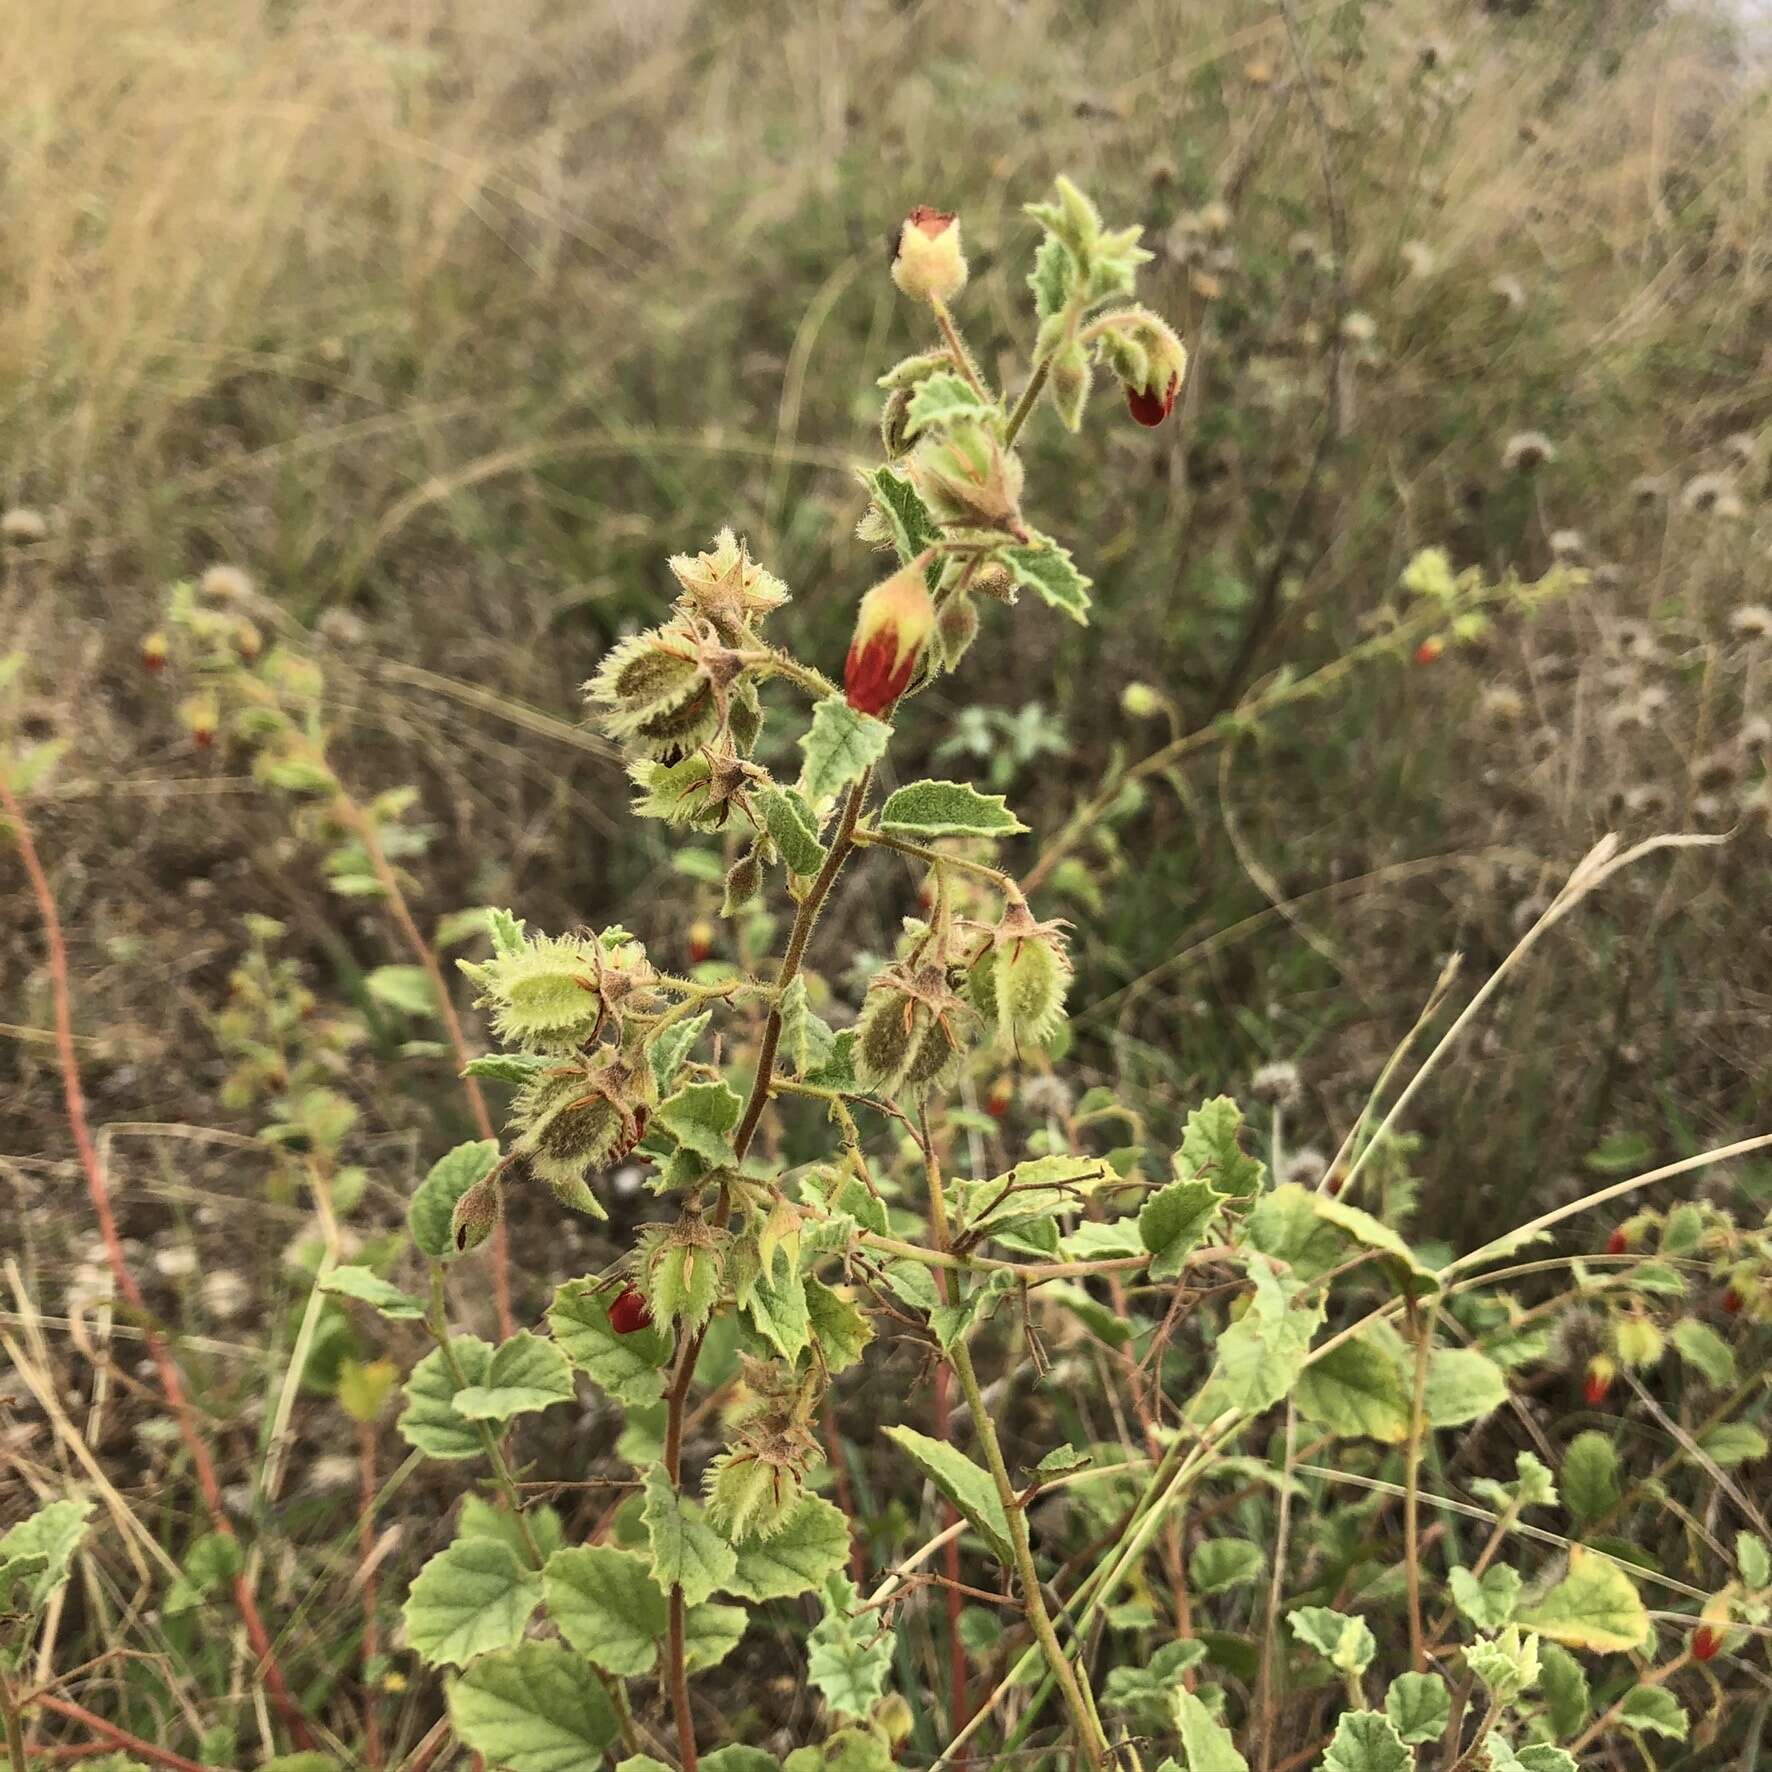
(526, 1374)
(710, 1634)
(969, 1488)
(480, 1519)
(531, 1709)
(1219, 1564)
(776, 1307)
(1564, 1683)
(739, 1759)
(1283, 1223)
(1414, 1276)
(508, 1067)
(669, 1048)
(810, 1545)
(1732, 1442)
(839, 1329)
(847, 1657)
(1210, 1147)
(1487, 1602)
(1206, 1743)
(371, 1289)
(1753, 1560)
(701, 1116)
(929, 809)
(405, 988)
(1049, 571)
(1347, 1644)
(1589, 1477)
(789, 823)
(1259, 1357)
(1462, 1385)
(1593, 1607)
(940, 399)
(472, 1597)
(1653, 1710)
(1419, 1707)
(1506, 1663)
(629, 1367)
(806, 1038)
(686, 1551)
(1173, 1222)
(433, 1204)
(1701, 1346)
(839, 745)
(37, 1553)
(1356, 1389)
(906, 515)
(430, 1420)
(1366, 1741)
(607, 1606)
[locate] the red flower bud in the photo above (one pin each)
(996, 1104)
(1705, 1642)
(1148, 406)
(153, 654)
(890, 628)
(1598, 1381)
(1618, 1243)
(1732, 1302)
(1334, 1183)
(629, 1313)
(701, 940)
(1429, 650)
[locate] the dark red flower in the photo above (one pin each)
(629, 1313)
(1149, 407)
(1429, 650)
(890, 628)
(1618, 1243)
(1706, 1641)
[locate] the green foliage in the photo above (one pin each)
(471, 1597)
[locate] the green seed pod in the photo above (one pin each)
(675, 732)
(744, 716)
(956, 627)
(1070, 384)
(893, 418)
(540, 993)
(749, 1495)
(885, 1039)
(476, 1212)
(681, 1267)
(966, 475)
(744, 880)
(1018, 983)
(906, 1036)
(645, 678)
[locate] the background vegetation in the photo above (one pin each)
(447, 323)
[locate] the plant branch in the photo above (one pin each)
(171, 1385)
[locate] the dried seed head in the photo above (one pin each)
(1277, 1084)
(655, 693)
(1526, 450)
(1581, 1335)
(1711, 495)
(22, 526)
(226, 584)
(891, 627)
(726, 589)
(1752, 621)
(927, 263)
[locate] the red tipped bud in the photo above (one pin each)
(1713, 1626)
(996, 1104)
(1705, 1642)
(1732, 1301)
(1151, 405)
(927, 264)
(153, 653)
(1600, 1372)
(629, 1313)
(1618, 1243)
(891, 627)
(1430, 649)
(701, 940)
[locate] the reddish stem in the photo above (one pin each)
(959, 1698)
(171, 1387)
(115, 1737)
